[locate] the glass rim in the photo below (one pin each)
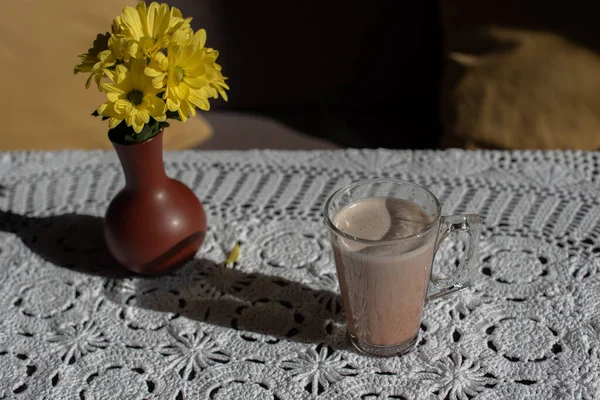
(329, 223)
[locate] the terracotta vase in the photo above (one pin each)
(155, 223)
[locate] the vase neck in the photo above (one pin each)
(143, 164)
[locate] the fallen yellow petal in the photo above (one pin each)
(233, 255)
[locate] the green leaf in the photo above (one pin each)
(173, 115)
(124, 134)
(148, 131)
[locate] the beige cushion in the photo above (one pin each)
(512, 83)
(44, 106)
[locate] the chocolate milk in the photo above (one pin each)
(384, 285)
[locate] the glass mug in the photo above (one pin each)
(384, 263)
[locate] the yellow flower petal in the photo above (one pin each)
(180, 37)
(142, 15)
(102, 108)
(121, 73)
(137, 127)
(110, 88)
(176, 13)
(116, 25)
(183, 114)
(159, 81)
(199, 100)
(113, 122)
(131, 18)
(160, 20)
(122, 106)
(172, 105)
(156, 107)
(132, 49)
(233, 255)
(153, 73)
(199, 39)
(143, 117)
(88, 81)
(130, 118)
(223, 94)
(196, 83)
(181, 91)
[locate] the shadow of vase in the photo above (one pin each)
(252, 303)
(71, 241)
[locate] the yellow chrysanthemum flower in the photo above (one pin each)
(131, 97)
(190, 73)
(149, 28)
(156, 65)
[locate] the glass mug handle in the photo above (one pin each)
(459, 279)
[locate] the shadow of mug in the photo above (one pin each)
(251, 303)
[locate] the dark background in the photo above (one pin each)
(361, 74)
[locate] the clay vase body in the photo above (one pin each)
(155, 223)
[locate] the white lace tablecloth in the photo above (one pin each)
(72, 326)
